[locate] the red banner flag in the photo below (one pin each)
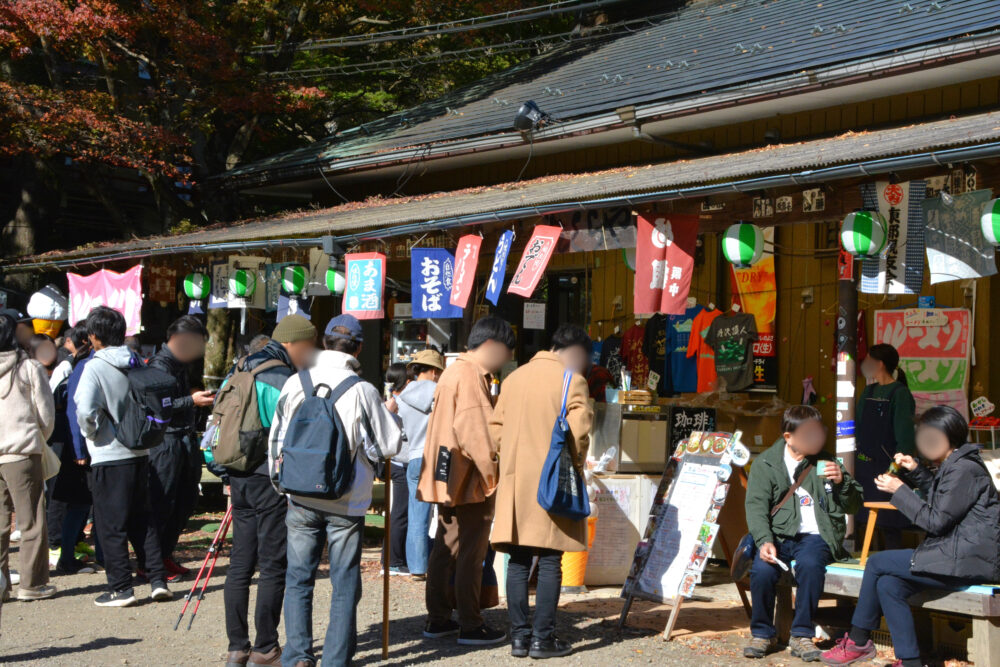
(466, 259)
(534, 260)
(364, 292)
(664, 262)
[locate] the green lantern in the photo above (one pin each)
(335, 281)
(243, 283)
(991, 221)
(743, 244)
(197, 286)
(863, 233)
(294, 279)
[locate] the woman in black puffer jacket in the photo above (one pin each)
(962, 519)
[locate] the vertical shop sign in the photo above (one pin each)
(365, 288)
(466, 260)
(499, 269)
(664, 262)
(756, 290)
(432, 272)
(534, 260)
(901, 268)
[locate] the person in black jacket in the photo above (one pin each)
(962, 519)
(175, 465)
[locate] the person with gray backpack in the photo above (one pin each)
(329, 429)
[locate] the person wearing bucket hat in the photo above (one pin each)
(414, 404)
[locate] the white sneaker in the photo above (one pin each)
(40, 593)
(15, 578)
(161, 593)
(15, 536)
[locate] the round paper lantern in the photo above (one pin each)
(743, 244)
(243, 283)
(197, 286)
(863, 233)
(294, 279)
(991, 221)
(335, 281)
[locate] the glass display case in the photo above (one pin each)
(408, 337)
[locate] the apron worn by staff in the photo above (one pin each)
(876, 448)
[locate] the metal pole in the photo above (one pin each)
(385, 560)
(847, 351)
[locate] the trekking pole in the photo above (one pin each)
(385, 560)
(215, 557)
(204, 564)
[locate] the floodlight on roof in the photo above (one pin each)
(529, 117)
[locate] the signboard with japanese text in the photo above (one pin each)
(534, 315)
(432, 272)
(664, 262)
(364, 291)
(936, 359)
(596, 229)
(466, 260)
(684, 420)
(535, 258)
(756, 289)
(900, 269)
(956, 247)
(162, 283)
(499, 269)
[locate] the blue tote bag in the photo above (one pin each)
(560, 489)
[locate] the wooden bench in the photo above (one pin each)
(980, 603)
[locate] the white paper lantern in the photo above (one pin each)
(863, 233)
(743, 244)
(335, 281)
(243, 283)
(991, 221)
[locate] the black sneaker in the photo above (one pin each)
(437, 630)
(484, 635)
(160, 592)
(549, 648)
(519, 647)
(125, 598)
(75, 566)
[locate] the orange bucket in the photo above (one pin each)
(574, 563)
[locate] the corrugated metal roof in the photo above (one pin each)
(355, 216)
(704, 46)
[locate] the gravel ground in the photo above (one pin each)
(70, 630)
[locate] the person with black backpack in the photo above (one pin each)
(329, 430)
(242, 416)
(122, 408)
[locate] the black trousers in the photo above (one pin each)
(398, 519)
(259, 537)
(174, 475)
(546, 592)
(121, 515)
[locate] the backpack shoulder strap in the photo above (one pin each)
(343, 387)
(307, 384)
(267, 365)
(567, 376)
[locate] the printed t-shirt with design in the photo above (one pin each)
(654, 346)
(698, 348)
(635, 358)
(683, 369)
(732, 337)
(807, 506)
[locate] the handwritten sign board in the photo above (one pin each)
(683, 421)
(683, 523)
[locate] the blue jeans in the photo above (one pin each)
(811, 555)
(418, 522)
(308, 529)
(885, 589)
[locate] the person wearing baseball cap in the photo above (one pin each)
(414, 405)
(24, 330)
(373, 435)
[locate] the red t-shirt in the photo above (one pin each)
(698, 347)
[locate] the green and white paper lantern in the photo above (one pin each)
(991, 221)
(863, 233)
(743, 244)
(243, 283)
(197, 286)
(294, 279)
(335, 281)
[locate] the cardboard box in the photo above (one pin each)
(643, 445)
(760, 421)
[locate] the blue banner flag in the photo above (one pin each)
(499, 266)
(431, 273)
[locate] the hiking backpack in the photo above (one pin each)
(148, 409)
(239, 439)
(316, 458)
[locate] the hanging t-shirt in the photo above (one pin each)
(635, 358)
(807, 506)
(611, 358)
(732, 337)
(654, 346)
(683, 369)
(702, 351)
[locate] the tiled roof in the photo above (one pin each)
(704, 46)
(779, 159)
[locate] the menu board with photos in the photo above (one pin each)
(683, 523)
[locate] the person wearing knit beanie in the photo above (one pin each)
(293, 329)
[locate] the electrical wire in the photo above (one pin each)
(435, 29)
(531, 152)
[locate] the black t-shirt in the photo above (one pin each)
(732, 337)
(654, 346)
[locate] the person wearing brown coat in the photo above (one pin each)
(521, 427)
(460, 474)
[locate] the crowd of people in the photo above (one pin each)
(463, 462)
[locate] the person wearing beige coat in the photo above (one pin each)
(521, 427)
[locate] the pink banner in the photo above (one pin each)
(664, 262)
(534, 260)
(121, 291)
(466, 259)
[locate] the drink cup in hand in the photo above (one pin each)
(905, 461)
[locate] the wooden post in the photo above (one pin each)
(678, 601)
(385, 560)
(847, 352)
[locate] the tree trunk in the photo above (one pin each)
(219, 352)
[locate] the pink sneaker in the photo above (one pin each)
(847, 652)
